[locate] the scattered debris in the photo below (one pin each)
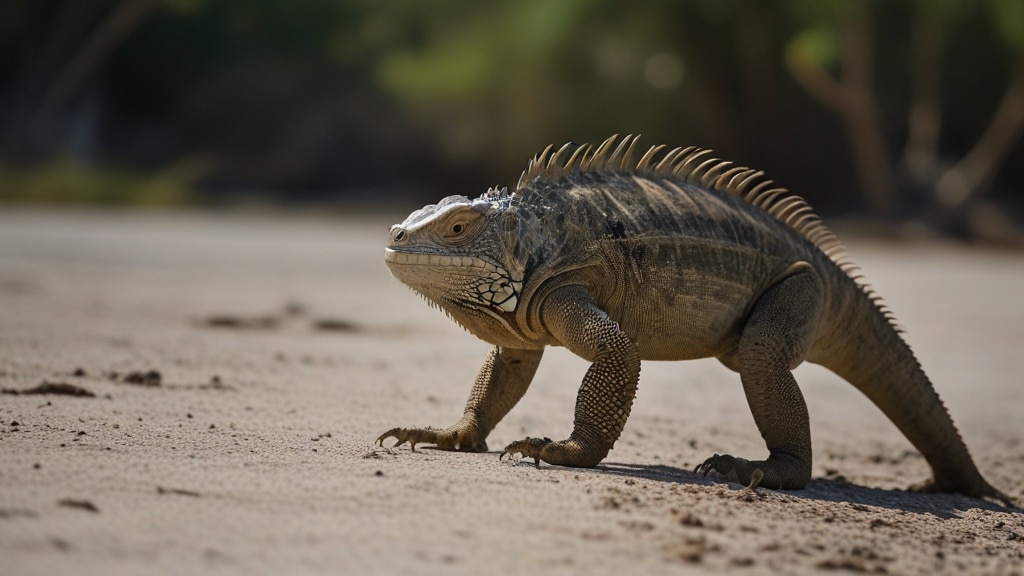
(79, 373)
(176, 491)
(151, 378)
(215, 383)
(242, 322)
(291, 312)
(335, 325)
(843, 564)
(52, 388)
(80, 504)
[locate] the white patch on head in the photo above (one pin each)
(416, 220)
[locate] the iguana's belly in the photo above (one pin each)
(686, 326)
(687, 302)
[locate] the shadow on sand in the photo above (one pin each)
(839, 491)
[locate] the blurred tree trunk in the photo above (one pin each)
(924, 121)
(852, 97)
(61, 62)
(956, 187)
(973, 174)
(764, 136)
(711, 88)
(115, 27)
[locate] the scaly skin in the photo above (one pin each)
(674, 257)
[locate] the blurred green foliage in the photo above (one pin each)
(65, 180)
(816, 46)
(341, 99)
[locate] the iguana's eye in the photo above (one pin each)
(462, 226)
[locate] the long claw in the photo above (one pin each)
(706, 466)
(401, 436)
(721, 463)
(755, 478)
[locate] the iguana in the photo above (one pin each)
(677, 256)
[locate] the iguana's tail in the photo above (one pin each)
(863, 346)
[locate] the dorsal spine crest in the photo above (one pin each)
(698, 166)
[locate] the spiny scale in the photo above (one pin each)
(698, 167)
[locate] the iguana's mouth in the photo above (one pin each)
(393, 256)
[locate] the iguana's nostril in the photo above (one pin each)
(398, 235)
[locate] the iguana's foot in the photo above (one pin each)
(463, 436)
(732, 468)
(563, 453)
(527, 448)
(777, 472)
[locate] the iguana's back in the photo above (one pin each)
(677, 265)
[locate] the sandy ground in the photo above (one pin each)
(283, 348)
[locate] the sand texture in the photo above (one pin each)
(210, 387)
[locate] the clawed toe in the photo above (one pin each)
(413, 436)
(393, 433)
(721, 463)
(527, 448)
(732, 468)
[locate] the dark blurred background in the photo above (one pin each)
(888, 111)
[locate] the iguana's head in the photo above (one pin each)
(468, 257)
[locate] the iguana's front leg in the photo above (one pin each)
(606, 395)
(502, 381)
(777, 335)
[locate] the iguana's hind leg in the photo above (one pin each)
(775, 339)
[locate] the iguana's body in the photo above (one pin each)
(678, 256)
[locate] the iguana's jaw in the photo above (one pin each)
(466, 281)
